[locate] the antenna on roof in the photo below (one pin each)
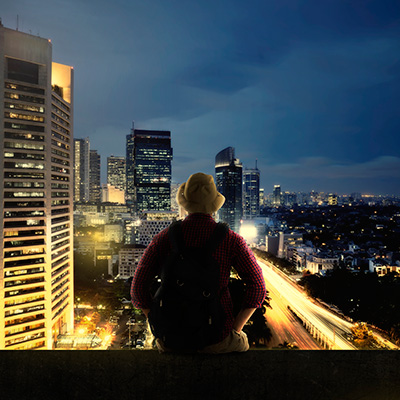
(17, 21)
(256, 163)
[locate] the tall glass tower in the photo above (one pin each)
(277, 196)
(94, 177)
(228, 173)
(81, 170)
(116, 172)
(148, 170)
(251, 192)
(36, 194)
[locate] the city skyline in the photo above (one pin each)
(309, 90)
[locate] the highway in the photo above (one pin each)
(332, 329)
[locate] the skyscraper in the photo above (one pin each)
(81, 169)
(36, 196)
(228, 173)
(277, 196)
(116, 172)
(148, 170)
(94, 176)
(251, 192)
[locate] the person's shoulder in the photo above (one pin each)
(235, 238)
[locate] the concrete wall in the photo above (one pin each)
(319, 375)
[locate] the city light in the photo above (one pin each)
(249, 232)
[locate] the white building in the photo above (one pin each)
(112, 194)
(320, 263)
(381, 268)
(36, 195)
(292, 239)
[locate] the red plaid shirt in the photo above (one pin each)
(232, 252)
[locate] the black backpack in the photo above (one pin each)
(186, 313)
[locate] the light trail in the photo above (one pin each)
(284, 326)
(333, 327)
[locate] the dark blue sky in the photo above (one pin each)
(309, 88)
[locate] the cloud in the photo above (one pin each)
(324, 168)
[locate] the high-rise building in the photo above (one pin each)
(277, 196)
(251, 192)
(81, 169)
(94, 177)
(228, 174)
(148, 170)
(262, 198)
(111, 194)
(332, 199)
(36, 196)
(116, 172)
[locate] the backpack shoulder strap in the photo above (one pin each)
(216, 238)
(175, 235)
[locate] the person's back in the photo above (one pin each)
(200, 198)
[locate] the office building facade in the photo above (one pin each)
(228, 174)
(116, 172)
(251, 193)
(36, 194)
(81, 170)
(94, 177)
(148, 170)
(277, 196)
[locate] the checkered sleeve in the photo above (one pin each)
(250, 272)
(146, 270)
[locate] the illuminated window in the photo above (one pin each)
(26, 117)
(24, 107)
(27, 146)
(23, 194)
(23, 165)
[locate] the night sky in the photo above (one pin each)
(309, 88)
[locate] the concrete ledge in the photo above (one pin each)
(119, 375)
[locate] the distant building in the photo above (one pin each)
(174, 192)
(228, 173)
(251, 193)
(289, 199)
(332, 199)
(299, 256)
(152, 223)
(262, 198)
(113, 233)
(148, 170)
(94, 177)
(116, 172)
(129, 257)
(321, 263)
(277, 196)
(381, 267)
(111, 194)
(272, 244)
(81, 169)
(288, 239)
(36, 195)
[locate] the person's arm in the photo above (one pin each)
(241, 319)
(250, 272)
(145, 273)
